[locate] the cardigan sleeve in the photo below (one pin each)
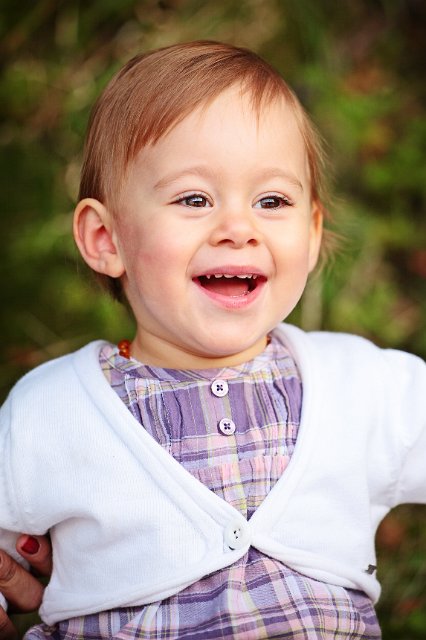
(8, 517)
(9, 523)
(407, 405)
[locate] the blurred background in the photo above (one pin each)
(358, 67)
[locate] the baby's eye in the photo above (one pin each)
(194, 200)
(273, 201)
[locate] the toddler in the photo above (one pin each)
(222, 475)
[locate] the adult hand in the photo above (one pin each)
(21, 589)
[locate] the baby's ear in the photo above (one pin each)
(317, 218)
(95, 238)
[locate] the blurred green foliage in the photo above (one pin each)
(359, 69)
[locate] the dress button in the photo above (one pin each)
(235, 536)
(227, 427)
(219, 388)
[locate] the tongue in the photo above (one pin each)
(226, 286)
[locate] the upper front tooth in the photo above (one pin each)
(229, 275)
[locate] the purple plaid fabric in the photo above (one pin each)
(257, 597)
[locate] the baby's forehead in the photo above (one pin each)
(229, 136)
(237, 103)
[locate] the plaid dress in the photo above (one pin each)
(235, 430)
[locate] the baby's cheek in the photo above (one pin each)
(152, 271)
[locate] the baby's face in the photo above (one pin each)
(217, 234)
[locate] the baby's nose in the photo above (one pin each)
(236, 227)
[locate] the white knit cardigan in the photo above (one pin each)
(130, 525)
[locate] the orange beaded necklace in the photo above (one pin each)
(124, 348)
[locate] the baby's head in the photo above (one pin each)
(182, 142)
(155, 91)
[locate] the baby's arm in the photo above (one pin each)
(17, 586)
(407, 406)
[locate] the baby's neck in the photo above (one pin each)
(169, 357)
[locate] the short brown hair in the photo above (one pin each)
(155, 91)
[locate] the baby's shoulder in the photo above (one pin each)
(353, 349)
(330, 341)
(51, 380)
(343, 351)
(361, 350)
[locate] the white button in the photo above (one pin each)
(219, 388)
(236, 536)
(227, 427)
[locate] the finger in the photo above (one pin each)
(22, 590)
(7, 630)
(38, 551)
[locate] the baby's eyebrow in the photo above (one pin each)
(277, 172)
(199, 171)
(207, 172)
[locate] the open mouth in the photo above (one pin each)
(230, 285)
